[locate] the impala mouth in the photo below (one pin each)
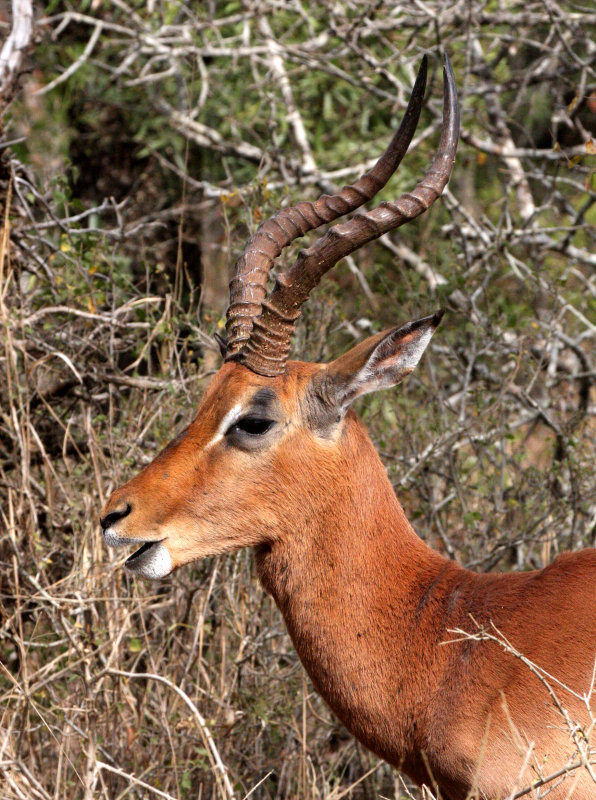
(151, 560)
(132, 560)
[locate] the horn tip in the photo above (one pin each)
(420, 83)
(448, 69)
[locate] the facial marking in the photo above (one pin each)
(263, 400)
(320, 411)
(230, 418)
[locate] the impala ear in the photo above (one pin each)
(379, 362)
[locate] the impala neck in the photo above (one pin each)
(352, 586)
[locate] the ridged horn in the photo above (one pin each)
(268, 345)
(248, 288)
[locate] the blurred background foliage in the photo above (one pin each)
(142, 143)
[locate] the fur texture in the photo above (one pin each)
(370, 608)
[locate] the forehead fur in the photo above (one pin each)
(235, 384)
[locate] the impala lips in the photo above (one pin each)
(151, 560)
(130, 561)
(113, 539)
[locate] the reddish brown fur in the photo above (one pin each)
(368, 605)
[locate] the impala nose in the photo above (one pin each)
(113, 516)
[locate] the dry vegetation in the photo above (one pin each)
(142, 143)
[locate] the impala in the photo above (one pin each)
(275, 459)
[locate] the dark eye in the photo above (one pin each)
(255, 426)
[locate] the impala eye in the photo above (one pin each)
(254, 426)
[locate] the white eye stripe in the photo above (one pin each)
(230, 418)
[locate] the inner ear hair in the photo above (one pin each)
(380, 361)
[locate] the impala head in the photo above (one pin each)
(270, 435)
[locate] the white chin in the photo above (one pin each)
(151, 561)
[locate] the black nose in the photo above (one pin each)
(114, 516)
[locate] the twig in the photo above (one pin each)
(76, 65)
(15, 45)
(137, 781)
(221, 770)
